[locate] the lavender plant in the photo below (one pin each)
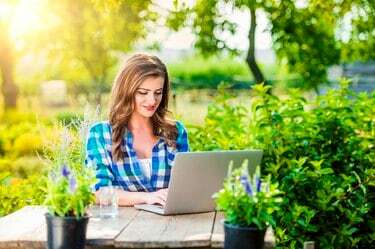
(248, 200)
(70, 182)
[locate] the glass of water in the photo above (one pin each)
(108, 202)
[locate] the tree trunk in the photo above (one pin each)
(98, 99)
(98, 92)
(8, 87)
(250, 58)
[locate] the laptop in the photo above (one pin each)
(196, 176)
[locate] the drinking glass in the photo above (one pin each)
(108, 202)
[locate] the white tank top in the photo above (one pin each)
(146, 167)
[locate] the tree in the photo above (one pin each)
(9, 89)
(81, 40)
(360, 44)
(88, 35)
(304, 36)
(208, 23)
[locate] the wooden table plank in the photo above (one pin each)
(21, 228)
(27, 228)
(150, 230)
(217, 239)
(103, 231)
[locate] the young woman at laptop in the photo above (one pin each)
(135, 148)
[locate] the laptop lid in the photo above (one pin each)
(196, 176)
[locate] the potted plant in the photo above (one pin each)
(248, 204)
(69, 190)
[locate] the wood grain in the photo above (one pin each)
(21, 229)
(103, 231)
(26, 228)
(150, 230)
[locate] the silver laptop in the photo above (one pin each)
(196, 176)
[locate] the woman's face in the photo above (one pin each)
(148, 96)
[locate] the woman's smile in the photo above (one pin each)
(150, 108)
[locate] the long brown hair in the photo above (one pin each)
(135, 70)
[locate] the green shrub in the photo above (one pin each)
(16, 193)
(69, 118)
(20, 140)
(5, 165)
(23, 166)
(27, 144)
(9, 133)
(198, 72)
(23, 139)
(17, 117)
(323, 158)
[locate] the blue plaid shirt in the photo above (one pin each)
(128, 173)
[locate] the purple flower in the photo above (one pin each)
(246, 184)
(258, 184)
(72, 184)
(65, 171)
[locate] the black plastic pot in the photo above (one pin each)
(66, 232)
(237, 237)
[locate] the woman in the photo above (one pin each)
(135, 149)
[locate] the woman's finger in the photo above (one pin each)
(161, 201)
(162, 196)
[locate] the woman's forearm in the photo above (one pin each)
(126, 198)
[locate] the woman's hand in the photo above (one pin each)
(157, 197)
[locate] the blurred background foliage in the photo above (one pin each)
(306, 35)
(84, 42)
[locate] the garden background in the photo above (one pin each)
(293, 78)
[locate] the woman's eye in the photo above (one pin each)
(158, 93)
(143, 93)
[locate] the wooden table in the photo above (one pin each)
(131, 229)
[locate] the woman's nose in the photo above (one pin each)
(151, 98)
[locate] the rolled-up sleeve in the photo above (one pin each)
(98, 157)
